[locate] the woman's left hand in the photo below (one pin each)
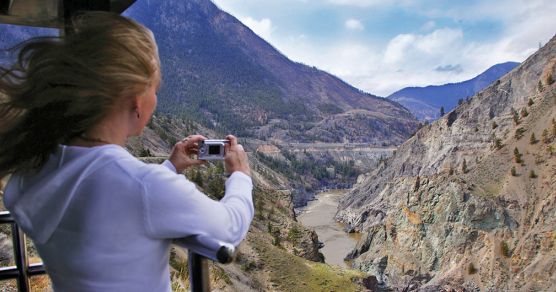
(181, 154)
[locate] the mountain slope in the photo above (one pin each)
(470, 200)
(425, 102)
(218, 72)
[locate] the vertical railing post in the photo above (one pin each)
(21, 260)
(198, 273)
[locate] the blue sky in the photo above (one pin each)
(382, 46)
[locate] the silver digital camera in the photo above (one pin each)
(212, 149)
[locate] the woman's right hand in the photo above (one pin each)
(236, 158)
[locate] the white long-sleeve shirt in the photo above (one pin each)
(104, 221)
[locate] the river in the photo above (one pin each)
(319, 215)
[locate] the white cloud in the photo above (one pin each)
(262, 28)
(397, 47)
(354, 24)
(417, 56)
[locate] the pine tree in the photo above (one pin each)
(530, 102)
(513, 171)
(498, 143)
(442, 111)
(524, 112)
(464, 166)
(517, 155)
(545, 137)
(533, 139)
(515, 116)
(532, 174)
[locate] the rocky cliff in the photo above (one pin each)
(470, 200)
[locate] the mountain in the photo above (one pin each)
(218, 72)
(425, 102)
(469, 202)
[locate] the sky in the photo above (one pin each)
(381, 46)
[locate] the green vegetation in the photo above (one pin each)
(145, 153)
(530, 102)
(515, 116)
(524, 112)
(505, 249)
(498, 143)
(532, 174)
(311, 172)
(494, 125)
(294, 234)
(533, 139)
(464, 166)
(513, 171)
(517, 156)
(519, 133)
(545, 136)
(292, 273)
(471, 269)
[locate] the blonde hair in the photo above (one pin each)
(61, 86)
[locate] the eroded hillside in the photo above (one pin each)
(469, 201)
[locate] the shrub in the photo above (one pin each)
(505, 250)
(294, 235)
(145, 153)
(524, 112)
(533, 139)
(498, 143)
(517, 155)
(513, 171)
(276, 240)
(494, 125)
(532, 174)
(464, 166)
(519, 133)
(515, 116)
(471, 269)
(545, 136)
(530, 102)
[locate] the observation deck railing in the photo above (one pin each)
(199, 250)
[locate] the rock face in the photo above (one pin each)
(470, 200)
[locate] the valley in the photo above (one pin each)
(465, 201)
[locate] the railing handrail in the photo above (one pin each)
(200, 248)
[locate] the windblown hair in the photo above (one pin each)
(61, 86)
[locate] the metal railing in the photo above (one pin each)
(200, 249)
(22, 270)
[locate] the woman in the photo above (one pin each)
(101, 219)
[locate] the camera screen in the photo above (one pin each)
(214, 149)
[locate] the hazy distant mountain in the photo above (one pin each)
(217, 71)
(425, 102)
